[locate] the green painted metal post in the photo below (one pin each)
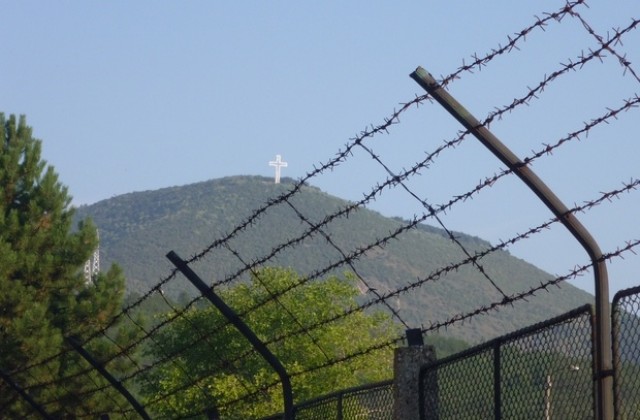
(113, 381)
(24, 395)
(260, 347)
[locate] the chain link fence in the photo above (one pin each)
(626, 354)
(544, 371)
(369, 402)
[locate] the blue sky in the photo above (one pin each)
(132, 96)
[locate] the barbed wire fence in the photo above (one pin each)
(53, 394)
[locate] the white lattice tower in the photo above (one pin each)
(92, 266)
(87, 271)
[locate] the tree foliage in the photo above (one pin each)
(45, 297)
(206, 380)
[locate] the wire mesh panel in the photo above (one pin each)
(626, 362)
(544, 371)
(319, 410)
(464, 387)
(371, 403)
(547, 373)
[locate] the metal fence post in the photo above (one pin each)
(24, 395)
(626, 330)
(340, 407)
(603, 360)
(243, 328)
(497, 391)
(113, 381)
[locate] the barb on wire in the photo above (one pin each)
(342, 155)
(513, 42)
(434, 214)
(440, 272)
(611, 113)
(138, 373)
(349, 262)
(582, 60)
(295, 319)
(461, 317)
(608, 196)
(609, 42)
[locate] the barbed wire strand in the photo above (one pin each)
(350, 264)
(348, 258)
(608, 43)
(341, 155)
(434, 276)
(612, 113)
(437, 274)
(461, 317)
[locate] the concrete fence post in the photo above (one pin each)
(407, 362)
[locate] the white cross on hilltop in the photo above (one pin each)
(278, 163)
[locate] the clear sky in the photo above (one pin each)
(139, 95)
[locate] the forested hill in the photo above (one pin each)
(138, 229)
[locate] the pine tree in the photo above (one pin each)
(44, 296)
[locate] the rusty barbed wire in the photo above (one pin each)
(461, 317)
(341, 155)
(438, 219)
(317, 274)
(525, 100)
(608, 196)
(549, 148)
(141, 370)
(520, 36)
(65, 391)
(571, 65)
(350, 264)
(277, 300)
(606, 44)
(575, 273)
(612, 113)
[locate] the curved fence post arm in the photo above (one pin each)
(603, 359)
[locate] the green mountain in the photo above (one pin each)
(138, 229)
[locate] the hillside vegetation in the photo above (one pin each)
(138, 229)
